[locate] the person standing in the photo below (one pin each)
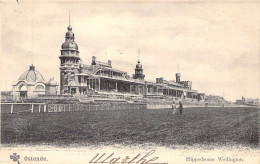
(173, 108)
(180, 107)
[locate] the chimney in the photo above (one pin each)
(93, 60)
(178, 77)
(109, 62)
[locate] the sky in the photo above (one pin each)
(216, 45)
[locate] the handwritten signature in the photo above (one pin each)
(138, 159)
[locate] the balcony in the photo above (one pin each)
(121, 78)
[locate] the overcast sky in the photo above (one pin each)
(215, 44)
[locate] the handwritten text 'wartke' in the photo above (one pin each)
(138, 159)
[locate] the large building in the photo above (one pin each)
(97, 79)
(100, 78)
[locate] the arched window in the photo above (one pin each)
(23, 88)
(39, 88)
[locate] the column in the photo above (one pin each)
(146, 89)
(82, 79)
(130, 88)
(69, 77)
(99, 84)
(182, 94)
(61, 83)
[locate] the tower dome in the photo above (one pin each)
(69, 45)
(69, 40)
(31, 75)
(139, 71)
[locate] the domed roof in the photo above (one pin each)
(69, 40)
(138, 65)
(69, 45)
(31, 76)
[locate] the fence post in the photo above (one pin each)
(12, 108)
(44, 109)
(39, 108)
(32, 108)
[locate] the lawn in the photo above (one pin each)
(197, 126)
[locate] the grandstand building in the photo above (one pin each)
(100, 78)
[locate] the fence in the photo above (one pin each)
(43, 107)
(23, 107)
(92, 107)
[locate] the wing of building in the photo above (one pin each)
(30, 84)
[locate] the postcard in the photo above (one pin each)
(130, 82)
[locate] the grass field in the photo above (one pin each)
(203, 126)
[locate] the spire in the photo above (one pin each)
(139, 55)
(69, 27)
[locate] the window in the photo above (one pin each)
(39, 88)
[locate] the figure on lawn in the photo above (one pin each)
(180, 107)
(174, 108)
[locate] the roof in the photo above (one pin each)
(52, 82)
(31, 75)
(69, 45)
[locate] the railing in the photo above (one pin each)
(93, 107)
(43, 107)
(23, 107)
(154, 93)
(121, 78)
(69, 65)
(102, 63)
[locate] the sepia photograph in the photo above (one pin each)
(130, 82)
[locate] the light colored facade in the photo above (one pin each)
(31, 83)
(101, 78)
